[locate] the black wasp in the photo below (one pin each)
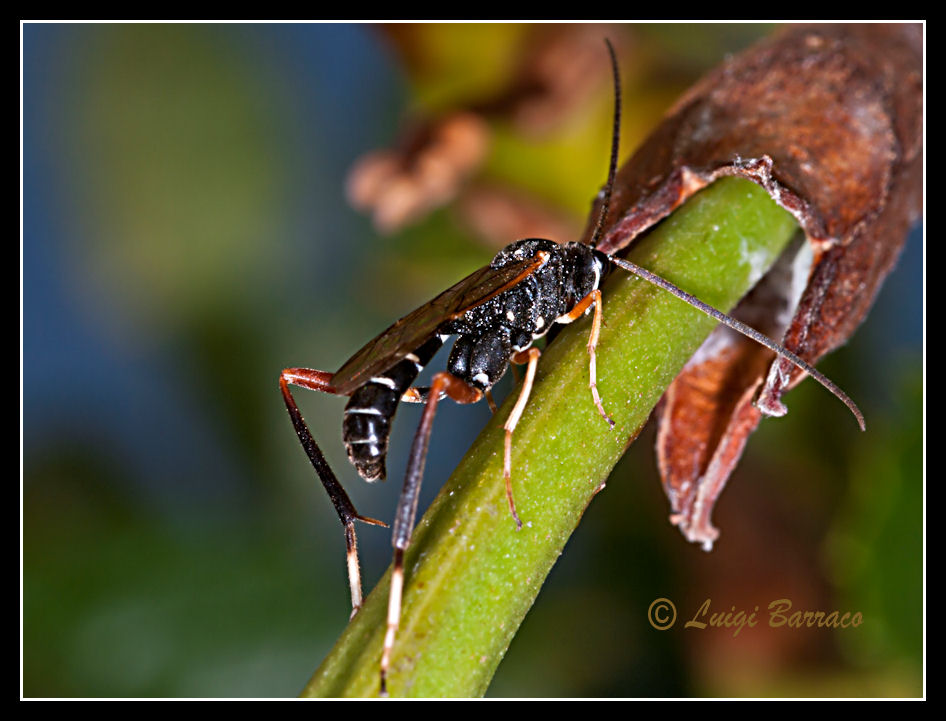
(496, 313)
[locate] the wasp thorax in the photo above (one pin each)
(523, 249)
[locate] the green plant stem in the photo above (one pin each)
(470, 576)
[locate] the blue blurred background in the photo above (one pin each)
(186, 236)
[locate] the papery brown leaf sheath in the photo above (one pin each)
(828, 119)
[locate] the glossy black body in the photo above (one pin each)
(489, 335)
(366, 425)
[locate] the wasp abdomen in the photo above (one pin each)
(367, 422)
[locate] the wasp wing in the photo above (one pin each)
(411, 331)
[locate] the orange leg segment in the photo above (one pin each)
(531, 357)
(593, 298)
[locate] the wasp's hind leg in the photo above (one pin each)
(319, 381)
(531, 357)
(443, 384)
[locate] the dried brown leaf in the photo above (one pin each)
(828, 119)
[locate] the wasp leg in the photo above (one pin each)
(530, 356)
(319, 381)
(593, 298)
(444, 384)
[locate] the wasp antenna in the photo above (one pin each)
(746, 330)
(615, 142)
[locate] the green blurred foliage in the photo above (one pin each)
(191, 165)
(875, 550)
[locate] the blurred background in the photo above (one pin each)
(187, 234)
